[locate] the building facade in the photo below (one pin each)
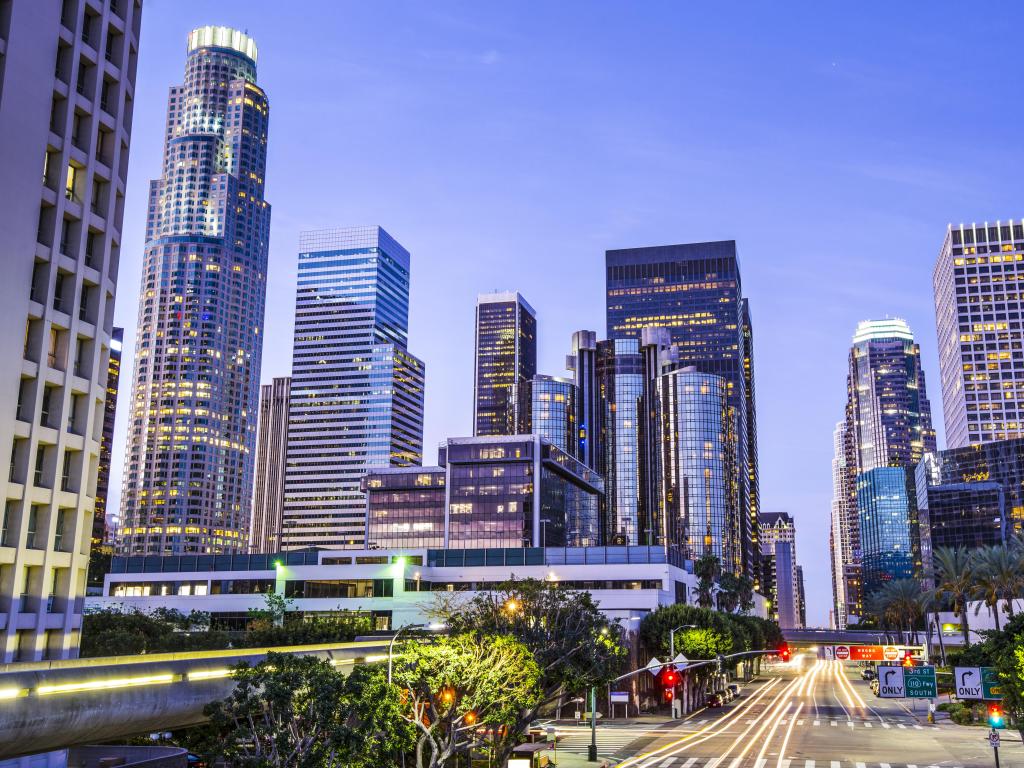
(505, 357)
(67, 91)
(547, 407)
(694, 291)
(844, 538)
(781, 573)
(888, 428)
(980, 332)
(405, 507)
(188, 474)
(271, 459)
(356, 400)
(696, 508)
(885, 515)
(970, 497)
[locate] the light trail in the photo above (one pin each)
(637, 760)
(789, 732)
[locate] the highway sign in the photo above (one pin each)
(891, 683)
(920, 682)
(842, 652)
(977, 683)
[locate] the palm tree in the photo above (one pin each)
(954, 576)
(898, 605)
(707, 569)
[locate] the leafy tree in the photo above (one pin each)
(574, 644)
(116, 633)
(1000, 577)
(294, 711)
(463, 690)
(955, 582)
(707, 569)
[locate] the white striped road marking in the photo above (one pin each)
(834, 724)
(850, 723)
(911, 765)
(785, 763)
(886, 725)
(782, 722)
(716, 760)
(808, 764)
(884, 765)
(835, 764)
(901, 725)
(799, 722)
(860, 765)
(760, 762)
(689, 762)
(868, 725)
(817, 722)
(667, 762)
(919, 728)
(735, 762)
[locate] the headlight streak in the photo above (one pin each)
(639, 760)
(789, 731)
(775, 710)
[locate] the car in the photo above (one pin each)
(715, 700)
(735, 690)
(868, 674)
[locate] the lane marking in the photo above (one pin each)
(868, 725)
(901, 725)
(860, 765)
(834, 724)
(693, 760)
(808, 764)
(785, 740)
(801, 722)
(817, 722)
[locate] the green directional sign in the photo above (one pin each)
(990, 684)
(920, 682)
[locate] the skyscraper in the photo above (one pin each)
(844, 539)
(192, 430)
(505, 357)
(271, 457)
(782, 574)
(888, 427)
(980, 332)
(100, 535)
(67, 88)
(694, 291)
(357, 393)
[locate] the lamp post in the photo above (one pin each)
(544, 531)
(672, 638)
(391, 645)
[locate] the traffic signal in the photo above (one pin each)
(996, 718)
(908, 661)
(669, 678)
(784, 653)
(667, 694)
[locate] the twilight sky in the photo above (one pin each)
(508, 145)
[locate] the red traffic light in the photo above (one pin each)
(669, 677)
(784, 652)
(908, 661)
(996, 718)
(667, 695)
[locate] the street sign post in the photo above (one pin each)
(920, 682)
(977, 683)
(993, 741)
(891, 683)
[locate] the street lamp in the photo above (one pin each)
(672, 638)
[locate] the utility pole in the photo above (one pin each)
(592, 750)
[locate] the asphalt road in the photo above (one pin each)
(806, 714)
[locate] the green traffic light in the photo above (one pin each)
(995, 717)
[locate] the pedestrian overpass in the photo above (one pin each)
(51, 705)
(807, 637)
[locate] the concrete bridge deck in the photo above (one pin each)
(50, 705)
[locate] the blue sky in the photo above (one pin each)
(508, 145)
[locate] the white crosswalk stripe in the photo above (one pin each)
(901, 725)
(817, 722)
(689, 762)
(785, 763)
(808, 764)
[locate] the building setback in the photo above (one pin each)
(271, 458)
(505, 356)
(970, 497)
(981, 332)
(694, 291)
(192, 430)
(357, 393)
(67, 90)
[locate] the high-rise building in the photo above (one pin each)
(781, 572)
(271, 458)
(582, 362)
(978, 316)
(357, 393)
(505, 357)
(694, 291)
(547, 407)
(888, 430)
(970, 497)
(192, 431)
(844, 540)
(67, 90)
(696, 506)
(100, 532)
(801, 595)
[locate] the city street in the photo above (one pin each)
(807, 714)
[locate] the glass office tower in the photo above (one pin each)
(356, 398)
(888, 427)
(694, 291)
(505, 358)
(978, 317)
(970, 497)
(405, 507)
(188, 474)
(696, 442)
(884, 512)
(547, 407)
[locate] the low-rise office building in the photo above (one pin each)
(394, 587)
